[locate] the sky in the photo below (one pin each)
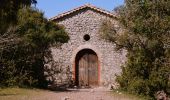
(52, 8)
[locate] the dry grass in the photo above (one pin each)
(38, 94)
(19, 93)
(126, 96)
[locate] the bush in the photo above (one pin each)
(145, 34)
(22, 53)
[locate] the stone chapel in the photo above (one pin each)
(87, 59)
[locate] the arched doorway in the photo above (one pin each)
(87, 68)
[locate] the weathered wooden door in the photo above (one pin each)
(87, 68)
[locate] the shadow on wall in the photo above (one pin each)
(57, 75)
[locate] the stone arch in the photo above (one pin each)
(80, 48)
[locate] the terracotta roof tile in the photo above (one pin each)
(83, 7)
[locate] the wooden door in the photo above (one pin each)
(83, 70)
(88, 68)
(93, 69)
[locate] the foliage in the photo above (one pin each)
(146, 31)
(8, 12)
(23, 48)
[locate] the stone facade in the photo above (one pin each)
(77, 24)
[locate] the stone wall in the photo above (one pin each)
(77, 25)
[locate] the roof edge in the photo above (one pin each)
(83, 7)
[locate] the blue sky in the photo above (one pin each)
(52, 8)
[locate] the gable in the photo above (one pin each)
(82, 9)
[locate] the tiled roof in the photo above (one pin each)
(83, 7)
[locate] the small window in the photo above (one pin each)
(86, 37)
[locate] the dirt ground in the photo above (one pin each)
(71, 94)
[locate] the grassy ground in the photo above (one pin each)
(38, 94)
(127, 95)
(20, 94)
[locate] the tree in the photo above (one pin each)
(8, 12)
(146, 31)
(22, 55)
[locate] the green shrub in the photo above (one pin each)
(22, 53)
